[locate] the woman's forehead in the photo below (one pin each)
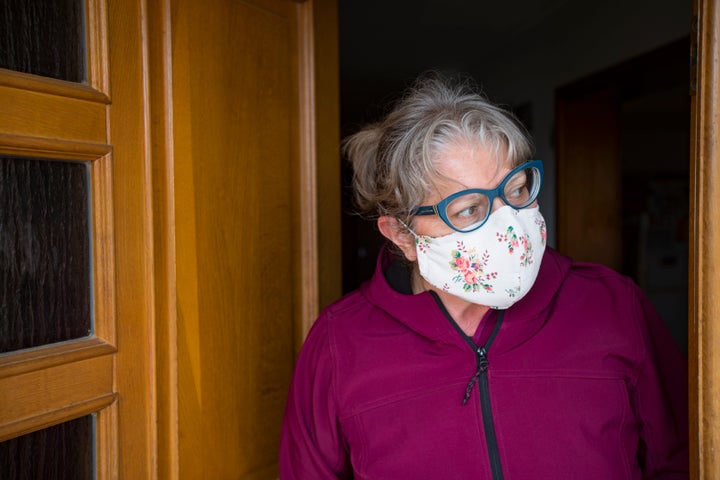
(470, 166)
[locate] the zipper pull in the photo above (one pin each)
(482, 365)
(482, 359)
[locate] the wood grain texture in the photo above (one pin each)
(107, 452)
(129, 134)
(34, 359)
(96, 36)
(704, 308)
(327, 145)
(44, 38)
(37, 114)
(253, 177)
(163, 178)
(103, 248)
(60, 452)
(44, 252)
(39, 398)
(305, 190)
(236, 129)
(30, 146)
(51, 86)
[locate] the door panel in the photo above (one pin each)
(44, 38)
(61, 452)
(236, 160)
(45, 252)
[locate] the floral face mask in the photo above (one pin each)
(495, 265)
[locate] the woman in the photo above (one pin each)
(475, 351)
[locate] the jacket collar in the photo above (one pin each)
(421, 313)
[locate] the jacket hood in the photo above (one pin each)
(421, 313)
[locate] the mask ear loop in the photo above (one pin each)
(408, 228)
(413, 269)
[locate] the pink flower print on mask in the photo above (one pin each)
(470, 277)
(462, 263)
(470, 269)
(540, 222)
(510, 237)
(422, 243)
(526, 258)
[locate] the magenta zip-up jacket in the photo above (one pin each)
(578, 380)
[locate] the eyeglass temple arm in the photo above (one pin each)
(425, 210)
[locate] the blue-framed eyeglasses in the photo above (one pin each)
(468, 210)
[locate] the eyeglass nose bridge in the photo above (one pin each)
(494, 194)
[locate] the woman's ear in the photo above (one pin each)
(397, 233)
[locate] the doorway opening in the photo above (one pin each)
(623, 150)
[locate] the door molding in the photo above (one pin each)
(703, 271)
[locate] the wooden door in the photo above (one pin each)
(204, 149)
(239, 226)
(96, 119)
(57, 320)
(246, 142)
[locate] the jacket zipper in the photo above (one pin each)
(480, 377)
(484, 387)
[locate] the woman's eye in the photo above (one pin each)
(517, 191)
(468, 211)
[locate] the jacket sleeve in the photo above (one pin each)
(660, 399)
(311, 443)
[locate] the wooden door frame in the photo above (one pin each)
(703, 271)
(319, 231)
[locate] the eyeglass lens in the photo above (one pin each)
(467, 211)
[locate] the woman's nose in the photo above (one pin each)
(497, 203)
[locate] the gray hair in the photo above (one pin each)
(393, 160)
